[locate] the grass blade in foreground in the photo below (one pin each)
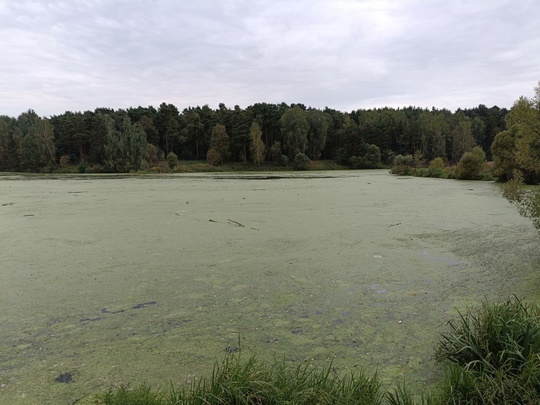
(496, 354)
(235, 381)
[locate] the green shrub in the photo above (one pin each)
(355, 162)
(95, 169)
(82, 167)
(327, 165)
(151, 154)
(370, 160)
(213, 157)
(372, 157)
(451, 173)
(172, 160)
(342, 156)
(418, 158)
(145, 165)
(487, 177)
(496, 354)
(301, 162)
(64, 161)
(436, 168)
(471, 164)
(419, 172)
(402, 164)
(388, 156)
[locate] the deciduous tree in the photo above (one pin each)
(318, 129)
(36, 141)
(257, 147)
(126, 146)
(525, 116)
(462, 139)
(294, 128)
(220, 141)
(503, 151)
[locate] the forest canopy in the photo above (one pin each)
(130, 139)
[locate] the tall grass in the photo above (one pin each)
(495, 352)
(252, 382)
(401, 395)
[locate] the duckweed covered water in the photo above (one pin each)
(109, 280)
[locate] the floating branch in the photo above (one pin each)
(237, 223)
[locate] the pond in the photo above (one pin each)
(108, 280)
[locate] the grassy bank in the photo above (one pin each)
(491, 355)
(202, 166)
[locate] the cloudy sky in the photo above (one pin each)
(345, 54)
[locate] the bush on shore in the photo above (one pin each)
(403, 165)
(472, 166)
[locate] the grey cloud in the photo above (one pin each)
(344, 54)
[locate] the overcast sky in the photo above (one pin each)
(345, 54)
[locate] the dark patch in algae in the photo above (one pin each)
(64, 378)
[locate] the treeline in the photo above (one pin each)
(124, 140)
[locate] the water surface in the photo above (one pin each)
(117, 280)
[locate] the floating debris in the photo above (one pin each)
(64, 378)
(144, 304)
(89, 319)
(106, 311)
(237, 223)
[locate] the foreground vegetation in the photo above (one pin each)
(491, 355)
(494, 352)
(250, 381)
